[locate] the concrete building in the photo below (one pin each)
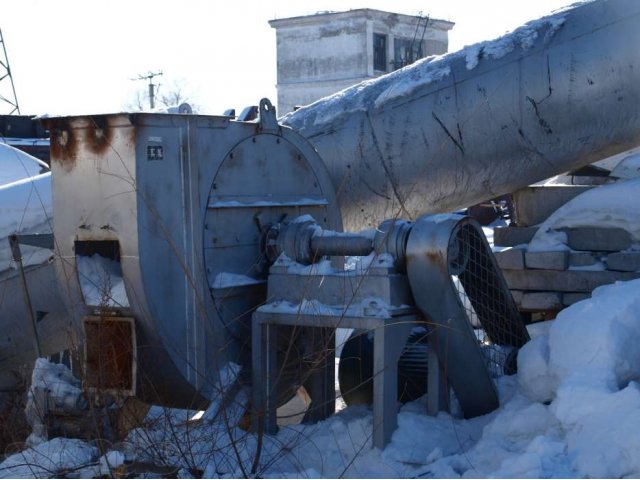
(323, 53)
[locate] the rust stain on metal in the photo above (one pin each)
(70, 138)
(109, 353)
(64, 146)
(436, 257)
(98, 135)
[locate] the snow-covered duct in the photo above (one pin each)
(450, 131)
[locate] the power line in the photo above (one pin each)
(152, 86)
(5, 73)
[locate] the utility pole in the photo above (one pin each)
(152, 86)
(5, 72)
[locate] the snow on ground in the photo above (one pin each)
(25, 203)
(608, 206)
(573, 410)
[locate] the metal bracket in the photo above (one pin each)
(268, 121)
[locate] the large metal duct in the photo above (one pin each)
(448, 132)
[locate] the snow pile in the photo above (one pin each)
(56, 458)
(523, 37)
(101, 281)
(62, 390)
(229, 280)
(608, 206)
(378, 92)
(589, 366)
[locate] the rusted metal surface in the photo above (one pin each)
(71, 137)
(110, 354)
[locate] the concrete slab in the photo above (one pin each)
(582, 259)
(547, 260)
(535, 203)
(598, 239)
(563, 281)
(517, 296)
(511, 236)
(624, 261)
(570, 298)
(540, 301)
(511, 259)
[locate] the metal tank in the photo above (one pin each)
(451, 131)
(175, 206)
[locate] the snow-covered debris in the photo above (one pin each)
(56, 458)
(608, 206)
(55, 383)
(63, 387)
(110, 461)
(378, 92)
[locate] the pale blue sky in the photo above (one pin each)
(77, 56)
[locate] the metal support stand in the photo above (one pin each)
(17, 257)
(321, 384)
(390, 336)
(437, 385)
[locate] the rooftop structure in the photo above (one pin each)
(323, 53)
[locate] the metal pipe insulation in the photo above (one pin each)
(448, 132)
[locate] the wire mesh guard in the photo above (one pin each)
(486, 300)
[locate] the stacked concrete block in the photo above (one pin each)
(624, 261)
(512, 236)
(551, 281)
(510, 259)
(598, 239)
(547, 260)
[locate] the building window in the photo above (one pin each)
(379, 52)
(406, 51)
